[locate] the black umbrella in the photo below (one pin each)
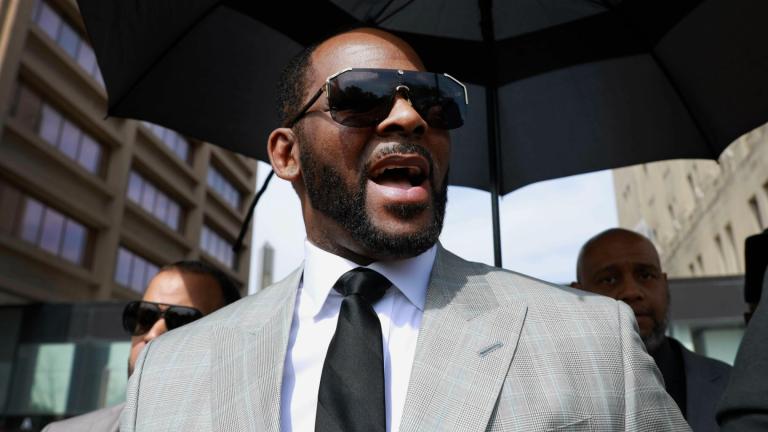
(556, 87)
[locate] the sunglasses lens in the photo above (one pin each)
(363, 97)
(360, 98)
(139, 317)
(177, 316)
(438, 99)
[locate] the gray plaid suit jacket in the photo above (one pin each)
(497, 351)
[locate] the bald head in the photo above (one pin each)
(361, 43)
(625, 265)
(296, 81)
(628, 241)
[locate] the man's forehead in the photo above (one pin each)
(620, 251)
(365, 48)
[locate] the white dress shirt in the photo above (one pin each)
(314, 323)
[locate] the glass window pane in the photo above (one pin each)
(174, 216)
(138, 274)
(134, 187)
(30, 222)
(161, 207)
(49, 21)
(74, 242)
(50, 123)
(123, 267)
(86, 58)
(53, 227)
(27, 109)
(90, 154)
(69, 40)
(204, 239)
(182, 147)
(70, 139)
(148, 197)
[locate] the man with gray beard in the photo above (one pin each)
(625, 265)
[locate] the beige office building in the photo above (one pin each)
(698, 212)
(90, 208)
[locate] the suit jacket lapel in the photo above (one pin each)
(466, 343)
(248, 359)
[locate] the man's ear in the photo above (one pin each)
(283, 150)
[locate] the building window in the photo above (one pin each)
(56, 129)
(133, 271)
(734, 247)
(755, 208)
(172, 139)
(700, 262)
(153, 200)
(224, 188)
(765, 189)
(721, 252)
(694, 189)
(216, 246)
(57, 28)
(36, 223)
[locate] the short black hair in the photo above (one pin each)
(293, 84)
(229, 290)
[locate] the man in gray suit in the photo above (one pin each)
(441, 344)
(625, 265)
(180, 293)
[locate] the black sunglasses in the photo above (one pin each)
(364, 97)
(140, 316)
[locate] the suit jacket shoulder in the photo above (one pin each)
(502, 351)
(196, 377)
(103, 420)
(705, 381)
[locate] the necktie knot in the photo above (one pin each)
(368, 284)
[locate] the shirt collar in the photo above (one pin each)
(322, 269)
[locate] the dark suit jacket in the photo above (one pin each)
(705, 381)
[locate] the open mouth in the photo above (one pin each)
(399, 171)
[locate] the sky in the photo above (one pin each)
(542, 225)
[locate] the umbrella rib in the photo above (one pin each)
(687, 107)
(160, 57)
(393, 13)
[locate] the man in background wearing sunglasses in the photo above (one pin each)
(179, 293)
(381, 329)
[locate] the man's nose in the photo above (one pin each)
(157, 329)
(403, 119)
(631, 291)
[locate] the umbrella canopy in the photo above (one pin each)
(556, 87)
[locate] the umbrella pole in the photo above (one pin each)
(246, 223)
(492, 123)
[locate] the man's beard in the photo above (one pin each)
(329, 194)
(658, 335)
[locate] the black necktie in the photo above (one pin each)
(351, 396)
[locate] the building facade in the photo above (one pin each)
(91, 208)
(697, 212)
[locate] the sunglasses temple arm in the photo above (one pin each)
(304, 109)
